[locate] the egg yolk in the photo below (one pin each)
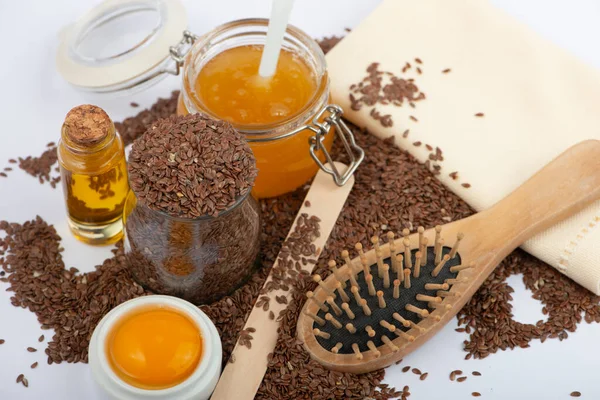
(154, 348)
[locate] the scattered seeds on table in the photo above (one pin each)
(41, 167)
(454, 374)
(133, 127)
(384, 88)
(376, 199)
(327, 43)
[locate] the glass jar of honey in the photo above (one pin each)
(286, 118)
(119, 46)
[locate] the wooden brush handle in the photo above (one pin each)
(563, 187)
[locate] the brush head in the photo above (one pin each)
(407, 296)
(401, 289)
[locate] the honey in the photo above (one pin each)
(153, 348)
(229, 87)
(94, 175)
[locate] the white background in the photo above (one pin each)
(34, 100)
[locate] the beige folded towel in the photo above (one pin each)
(537, 100)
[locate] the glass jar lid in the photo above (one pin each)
(122, 45)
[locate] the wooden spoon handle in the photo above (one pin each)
(241, 379)
(563, 187)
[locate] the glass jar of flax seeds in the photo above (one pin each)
(119, 46)
(191, 225)
(199, 260)
(94, 175)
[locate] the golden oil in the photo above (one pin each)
(91, 155)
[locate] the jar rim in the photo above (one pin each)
(313, 50)
(206, 217)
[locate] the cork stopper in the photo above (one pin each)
(87, 125)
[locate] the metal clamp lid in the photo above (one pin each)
(328, 117)
(354, 151)
(179, 51)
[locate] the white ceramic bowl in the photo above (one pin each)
(198, 386)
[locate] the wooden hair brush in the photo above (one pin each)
(388, 301)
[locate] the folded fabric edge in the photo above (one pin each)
(576, 252)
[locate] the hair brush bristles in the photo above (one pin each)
(375, 307)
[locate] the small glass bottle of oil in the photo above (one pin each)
(92, 162)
